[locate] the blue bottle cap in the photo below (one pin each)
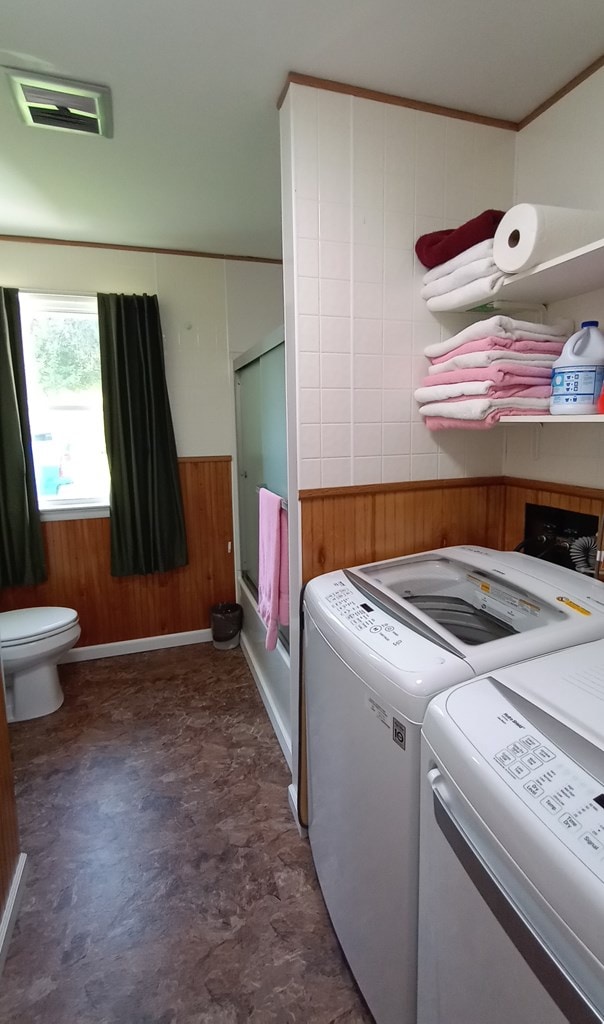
(590, 323)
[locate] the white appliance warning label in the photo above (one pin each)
(378, 710)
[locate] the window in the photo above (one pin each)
(63, 372)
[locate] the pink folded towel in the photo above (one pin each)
(548, 348)
(273, 597)
(497, 373)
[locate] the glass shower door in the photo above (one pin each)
(261, 444)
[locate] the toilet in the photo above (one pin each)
(32, 641)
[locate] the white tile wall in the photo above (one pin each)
(368, 178)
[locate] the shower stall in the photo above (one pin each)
(260, 418)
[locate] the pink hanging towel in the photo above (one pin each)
(270, 571)
(284, 572)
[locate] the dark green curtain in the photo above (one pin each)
(147, 521)
(21, 550)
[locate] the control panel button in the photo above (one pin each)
(532, 762)
(570, 822)
(504, 758)
(534, 788)
(516, 749)
(592, 843)
(551, 805)
(518, 770)
(544, 753)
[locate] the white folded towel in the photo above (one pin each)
(469, 295)
(473, 271)
(441, 392)
(479, 408)
(471, 359)
(502, 327)
(481, 251)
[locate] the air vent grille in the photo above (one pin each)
(46, 102)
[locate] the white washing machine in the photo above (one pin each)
(511, 909)
(379, 642)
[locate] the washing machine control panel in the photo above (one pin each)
(567, 799)
(389, 639)
(363, 615)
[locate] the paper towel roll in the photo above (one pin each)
(530, 234)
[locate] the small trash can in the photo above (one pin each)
(226, 625)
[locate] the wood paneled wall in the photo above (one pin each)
(9, 833)
(112, 609)
(351, 525)
(519, 492)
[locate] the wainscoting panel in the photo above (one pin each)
(112, 609)
(9, 835)
(351, 525)
(519, 492)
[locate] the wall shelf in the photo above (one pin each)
(505, 420)
(574, 273)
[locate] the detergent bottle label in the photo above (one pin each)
(576, 385)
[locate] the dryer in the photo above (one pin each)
(379, 642)
(511, 906)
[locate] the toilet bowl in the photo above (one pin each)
(33, 640)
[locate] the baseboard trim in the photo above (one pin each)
(143, 643)
(272, 710)
(11, 909)
(292, 799)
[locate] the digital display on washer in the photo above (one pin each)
(367, 607)
(599, 800)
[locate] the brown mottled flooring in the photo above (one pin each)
(167, 881)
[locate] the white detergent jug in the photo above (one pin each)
(578, 374)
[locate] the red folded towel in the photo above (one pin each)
(440, 246)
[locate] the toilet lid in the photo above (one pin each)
(30, 623)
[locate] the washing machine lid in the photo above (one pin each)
(27, 624)
(490, 607)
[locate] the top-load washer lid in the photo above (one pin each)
(489, 607)
(27, 624)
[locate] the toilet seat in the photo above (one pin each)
(28, 625)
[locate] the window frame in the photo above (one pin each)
(31, 300)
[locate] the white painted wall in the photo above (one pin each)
(204, 303)
(254, 293)
(559, 161)
(367, 179)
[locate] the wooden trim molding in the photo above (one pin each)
(295, 78)
(407, 485)
(9, 830)
(35, 240)
(570, 490)
(561, 93)
(205, 458)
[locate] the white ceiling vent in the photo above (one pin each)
(47, 102)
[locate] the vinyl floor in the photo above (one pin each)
(167, 881)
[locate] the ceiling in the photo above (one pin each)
(194, 162)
